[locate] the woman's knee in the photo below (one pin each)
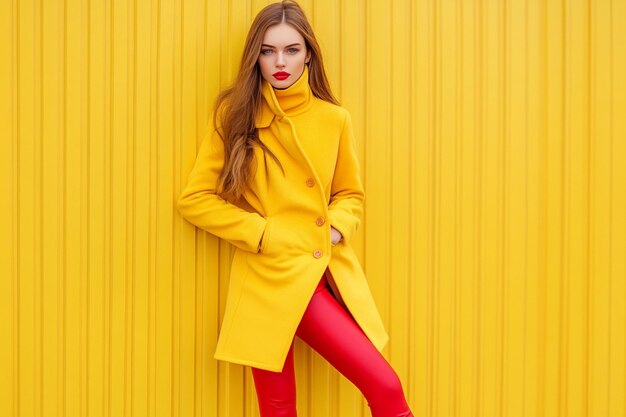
(276, 391)
(388, 389)
(389, 400)
(277, 407)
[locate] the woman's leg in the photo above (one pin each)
(276, 391)
(333, 333)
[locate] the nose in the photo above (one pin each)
(280, 60)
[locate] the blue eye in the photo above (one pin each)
(291, 51)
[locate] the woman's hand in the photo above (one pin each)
(335, 236)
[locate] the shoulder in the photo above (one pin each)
(332, 112)
(219, 115)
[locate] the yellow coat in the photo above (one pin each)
(281, 233)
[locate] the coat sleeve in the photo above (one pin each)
(202, 206)
(346, 200)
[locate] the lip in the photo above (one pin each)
(281, 75)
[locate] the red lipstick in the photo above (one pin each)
(281, 75)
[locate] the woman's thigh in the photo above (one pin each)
(332, 332)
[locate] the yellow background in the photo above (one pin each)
(492, 136)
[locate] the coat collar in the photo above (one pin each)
(291, 101)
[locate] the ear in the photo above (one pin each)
(308, 57)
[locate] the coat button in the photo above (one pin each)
(310, 182)
(320, 221)
(317, 254)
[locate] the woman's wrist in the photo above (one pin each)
(335, 236)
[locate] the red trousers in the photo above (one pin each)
(332, 332)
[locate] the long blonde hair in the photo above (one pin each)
(236, 106)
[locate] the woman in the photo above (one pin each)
(279, 179)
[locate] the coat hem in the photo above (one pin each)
(259, 365)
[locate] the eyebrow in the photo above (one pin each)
(272, 46)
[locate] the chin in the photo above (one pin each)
(278, 84)
(281, 87)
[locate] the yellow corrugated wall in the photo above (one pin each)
(492, 136)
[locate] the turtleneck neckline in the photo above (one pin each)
(291, 101)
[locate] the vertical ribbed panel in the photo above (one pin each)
(492, 141)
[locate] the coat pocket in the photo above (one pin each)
(280, 236)
(266, 235)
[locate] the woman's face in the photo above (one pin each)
(283, 51)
